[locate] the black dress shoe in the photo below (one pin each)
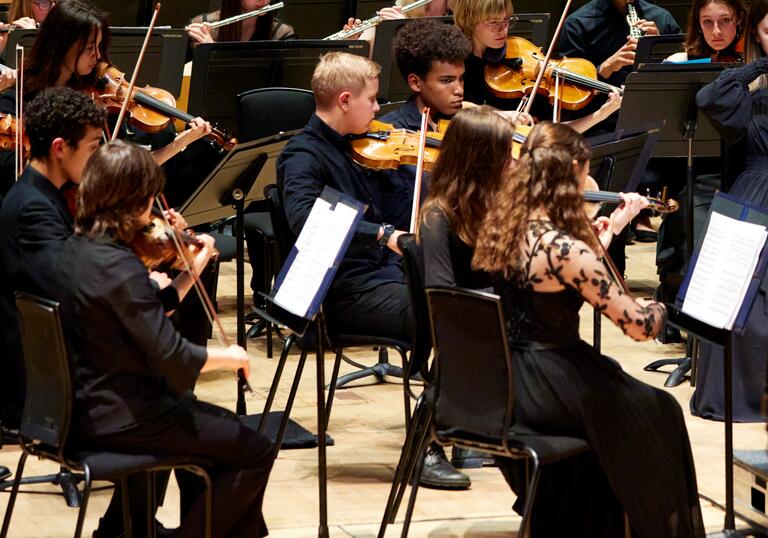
(5, 472)
(438, 473)
(257, 328)
(464, 458)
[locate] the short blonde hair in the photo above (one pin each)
(468, 13)
(340, 71)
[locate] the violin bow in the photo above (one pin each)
(419, 169)
(18, 139)
(205, 299)
(544, 63)
(135, 74)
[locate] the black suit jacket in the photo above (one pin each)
(34, 222)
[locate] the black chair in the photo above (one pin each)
(285, 239)
(261, 113)
(472, 356)
(47, 417)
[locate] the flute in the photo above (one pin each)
(243, 16)
(370, 23)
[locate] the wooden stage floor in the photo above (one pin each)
(367, 425)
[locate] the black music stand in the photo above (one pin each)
(735, 208)
(657, 48)
(235, 182)
(313, 317)
(617, 165)
(221, 71)
(163, 64)
(392, 87)
(667, 92)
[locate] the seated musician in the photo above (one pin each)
(535, 240)
(259, 28)
(368, 294)
(22, 14)
(486, 23)
(132, 370)
(64, 129)
(714, 32)
(430, 56)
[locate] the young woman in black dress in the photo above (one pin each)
(536, 241)
(736, 104)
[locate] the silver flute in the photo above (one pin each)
(632, 19)
(243, 16)
(373, 21)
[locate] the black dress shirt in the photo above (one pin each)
(597, 30)
(34, 222)
(131, 365)
(319, 156)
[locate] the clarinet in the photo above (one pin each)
(632, 19)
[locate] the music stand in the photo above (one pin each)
(657, 48)
(667, 92)
(230, 68)
(392, 87)
(740, 210)
(236, 181)
(163, 64)
(617, 165)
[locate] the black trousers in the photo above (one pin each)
(242, 459)
(382, 311)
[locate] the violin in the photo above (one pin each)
(660, 204)
(515, 76)
(155, 246)
(384, 147)
(151, 109)
(8, 133)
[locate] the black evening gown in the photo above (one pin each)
(641, 458)
(741, 117)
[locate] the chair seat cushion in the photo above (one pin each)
(548, 448)
(113, 465)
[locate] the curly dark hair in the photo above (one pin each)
(59, 113)
(420, 42)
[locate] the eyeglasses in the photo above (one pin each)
(44, 5)
(723, 24)
(499, 24)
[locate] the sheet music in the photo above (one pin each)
(723, 270)
(318, 246)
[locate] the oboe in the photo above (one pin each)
(632, 19)
(373, 21)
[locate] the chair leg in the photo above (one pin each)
(404, 466)
(14, 492)
(84, 501)
(419, 457)
(332, 385)
(422, 440)
(208, 504)
(127, 527)
(276, 382)
(289, 403)
(530, 495)
(406, 387)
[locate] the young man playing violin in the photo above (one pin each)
(369, 295)
(64, 129)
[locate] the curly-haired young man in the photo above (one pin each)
(64, 129)
(430, 56)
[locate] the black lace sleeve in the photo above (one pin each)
(558, 260)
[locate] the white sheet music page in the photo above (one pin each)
(318, 246)
(724, 268)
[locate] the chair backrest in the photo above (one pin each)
(474, 377)
(413, 264)
(48, 404)
(284, 236)
(268, 111)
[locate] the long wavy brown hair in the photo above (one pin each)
(545, 179)
(475, 159)
(695, 44)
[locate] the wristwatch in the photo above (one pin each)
(388, 231)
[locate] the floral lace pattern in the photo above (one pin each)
(557, 261)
